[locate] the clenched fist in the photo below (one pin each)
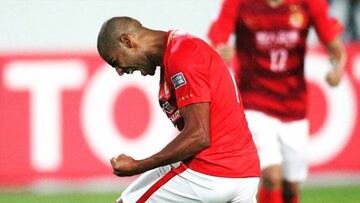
(124, 165)
(333, 77)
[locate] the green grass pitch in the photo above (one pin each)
(345, 194)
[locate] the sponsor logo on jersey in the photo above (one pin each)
(167, 107)
(178, 80)
(175, 116)
(286, 38)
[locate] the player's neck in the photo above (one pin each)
(274, 3)
(154, 40)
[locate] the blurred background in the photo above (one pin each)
(64, 113)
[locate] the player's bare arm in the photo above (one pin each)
(225, 51)
(337, 56)
(193, 139)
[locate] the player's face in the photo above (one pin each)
(127, 61)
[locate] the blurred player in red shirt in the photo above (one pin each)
(214, 158)
(270, 47)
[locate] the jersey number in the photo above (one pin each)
(278, 59)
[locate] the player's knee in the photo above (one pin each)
(290, 188)
(118, 201)
(271, 177)
(271, 182)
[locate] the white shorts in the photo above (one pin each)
(280, 143)
(177, 183)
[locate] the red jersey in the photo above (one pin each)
(193, 72)
(270, 46)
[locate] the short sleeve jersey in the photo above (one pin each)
(193, 72)
(271, 46)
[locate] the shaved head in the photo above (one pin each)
(112, 29)
(127, 46)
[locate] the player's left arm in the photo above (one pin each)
(337, 54)
(329, 31)
(193, 139)
(222, 28)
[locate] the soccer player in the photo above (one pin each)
(270, 45)
(213, 158)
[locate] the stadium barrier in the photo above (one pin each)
(64, 115)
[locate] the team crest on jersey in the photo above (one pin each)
(178, 80)
(296, 18)
(250, 23)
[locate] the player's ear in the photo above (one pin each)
(125, 40)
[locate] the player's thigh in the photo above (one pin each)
(294, 138)
(160, 185)
(137, 188)
(214, 189)
(265, 130)
(178, 190)
(247, 190)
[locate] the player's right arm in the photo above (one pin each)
(192, 140)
